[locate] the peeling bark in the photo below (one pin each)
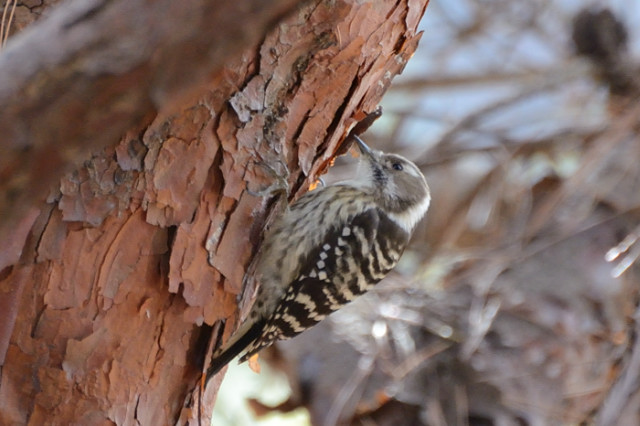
(114, 278)
(128, 59)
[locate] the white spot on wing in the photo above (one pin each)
(293, 323)
(333, 303)
(306, 300)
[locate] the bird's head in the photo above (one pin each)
(397, 183)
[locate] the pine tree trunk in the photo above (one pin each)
(109, 289)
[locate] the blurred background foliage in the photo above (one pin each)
(517, 302)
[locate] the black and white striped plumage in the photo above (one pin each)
(332, 245)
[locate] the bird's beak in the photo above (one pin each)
(364, 149)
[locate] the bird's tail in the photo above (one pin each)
(241, 339)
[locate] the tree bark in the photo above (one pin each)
(112, 285)
(127, 59)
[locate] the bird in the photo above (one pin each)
(330, 246)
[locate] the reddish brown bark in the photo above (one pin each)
(127, 59)
(150, 239)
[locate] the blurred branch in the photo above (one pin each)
(600, 148)
(564, 72)
(626, 385)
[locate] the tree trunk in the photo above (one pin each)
(109, 288)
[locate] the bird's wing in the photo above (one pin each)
(330, 278)
(348, 261)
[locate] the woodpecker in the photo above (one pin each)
(331, 245)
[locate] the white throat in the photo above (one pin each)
(408, 219)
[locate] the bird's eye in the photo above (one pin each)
(397, 166)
